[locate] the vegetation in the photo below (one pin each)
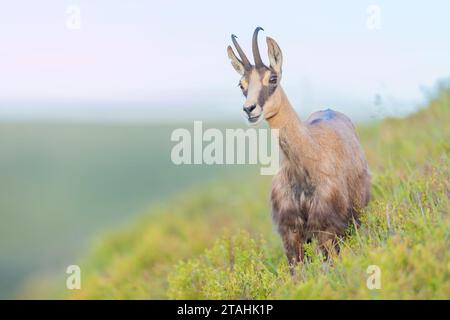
(61, 184)
(217, 242)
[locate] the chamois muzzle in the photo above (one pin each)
(248, 110)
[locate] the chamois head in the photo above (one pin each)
(258, 82)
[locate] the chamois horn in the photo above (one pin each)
(255, 49)
(247, 64)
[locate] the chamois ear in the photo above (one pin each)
(275, 55)
(235, 62)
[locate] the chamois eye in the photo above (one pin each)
(273, 79)
(241, 86)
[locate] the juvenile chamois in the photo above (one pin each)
(324, 179)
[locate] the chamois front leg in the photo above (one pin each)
(292, 239)
(328, 243)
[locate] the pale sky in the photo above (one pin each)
(154, 58)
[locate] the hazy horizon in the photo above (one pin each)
(134, 61)
(85, 111)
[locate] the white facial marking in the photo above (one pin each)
(265, 80)
(253, 89)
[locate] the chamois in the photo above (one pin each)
(323, 181)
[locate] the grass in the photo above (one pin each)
(217, 242)
(61, 184)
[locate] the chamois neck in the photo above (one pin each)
(295, 140)
(285, 114)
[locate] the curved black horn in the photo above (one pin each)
(256, 55)
(245, 61)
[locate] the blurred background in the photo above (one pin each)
(90, 92)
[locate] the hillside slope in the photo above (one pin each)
(218, 242)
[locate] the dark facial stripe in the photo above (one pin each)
(266, 90)
(265, 93)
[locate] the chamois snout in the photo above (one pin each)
(253, 113)
(249, 109)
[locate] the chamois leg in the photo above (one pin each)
(293, 247)
(328, 244)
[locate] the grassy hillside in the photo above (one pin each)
(61, 184)
(218, 241)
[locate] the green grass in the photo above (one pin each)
(217, 242)
(61, 184)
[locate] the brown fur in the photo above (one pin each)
(324, 179)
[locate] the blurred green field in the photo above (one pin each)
(216, 241)
(63, 184)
